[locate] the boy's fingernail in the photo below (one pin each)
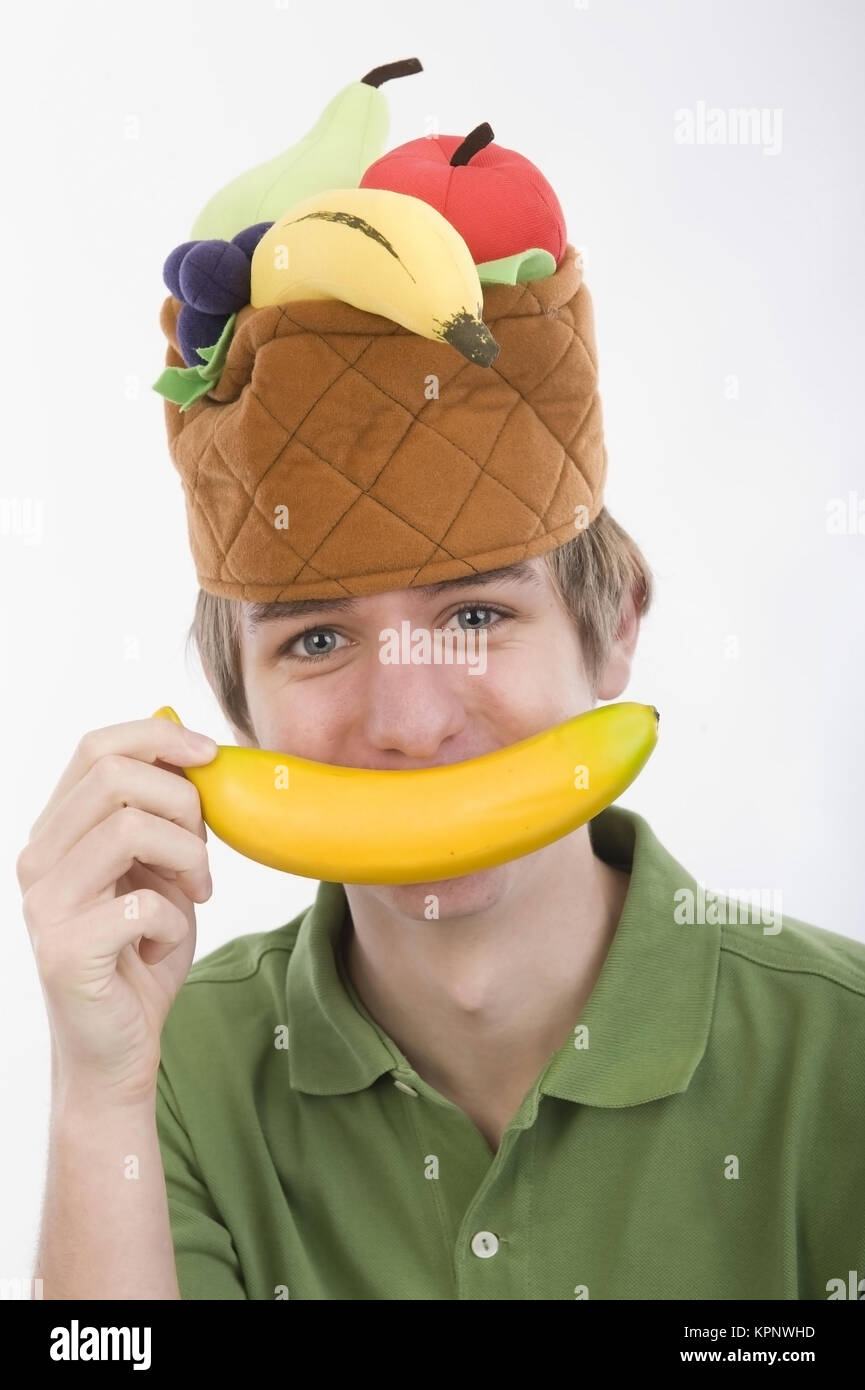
(201, 743)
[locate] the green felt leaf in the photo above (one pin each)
(184, 385)
(533, 264)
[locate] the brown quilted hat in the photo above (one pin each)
(322, 464)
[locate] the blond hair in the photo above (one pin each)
(593, 574)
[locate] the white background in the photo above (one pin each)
(705, 263)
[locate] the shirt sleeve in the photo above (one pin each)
(204, 1254)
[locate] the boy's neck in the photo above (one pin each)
(478, 1015)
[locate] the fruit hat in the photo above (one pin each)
(380, 368)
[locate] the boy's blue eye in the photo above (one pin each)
(478, 608)
(314, 632)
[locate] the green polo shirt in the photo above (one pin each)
(701, 1135)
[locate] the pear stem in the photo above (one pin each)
(403, 68)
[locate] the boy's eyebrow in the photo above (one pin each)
(258, 614)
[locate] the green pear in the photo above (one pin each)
(348, 136)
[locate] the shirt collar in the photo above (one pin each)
(641, 1033)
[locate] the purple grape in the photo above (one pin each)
(249, 238)
(214, 277)
(196, 330)
(171, 269)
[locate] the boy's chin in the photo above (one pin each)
(476, 890)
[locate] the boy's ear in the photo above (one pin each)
(617, 671)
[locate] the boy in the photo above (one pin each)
(546, 1080)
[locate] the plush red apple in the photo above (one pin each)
(499, 202)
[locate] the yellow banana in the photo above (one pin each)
(357, 825)
(389, 253)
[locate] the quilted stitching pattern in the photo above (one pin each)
(324, 409)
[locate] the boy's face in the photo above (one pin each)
(350, 707)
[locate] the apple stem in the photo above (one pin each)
(403, 68)
(474, 141)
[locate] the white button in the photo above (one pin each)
(484, 1243)
(409, 1090)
